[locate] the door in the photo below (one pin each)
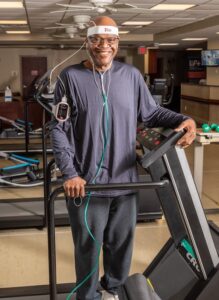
(32, 68)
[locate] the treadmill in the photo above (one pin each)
(186, 268)
(188, 262)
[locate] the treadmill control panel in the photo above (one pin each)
(156, 142)
(150, 137)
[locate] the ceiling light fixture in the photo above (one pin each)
(195, 39)
(11, 4)
(13, 22)
(142, 23)
(172, 6)
(17, 32)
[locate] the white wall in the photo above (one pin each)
(213, 72)
(11, 69)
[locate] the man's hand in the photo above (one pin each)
(74, 187)
(190, 127)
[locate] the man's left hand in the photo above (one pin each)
(190, 127)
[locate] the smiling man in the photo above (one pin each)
(103, 47)
(96, 145)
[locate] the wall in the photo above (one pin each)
(213, 72)
(139, 61)
(10, 62)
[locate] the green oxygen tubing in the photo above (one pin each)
(105, 137)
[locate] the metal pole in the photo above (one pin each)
(26, 126)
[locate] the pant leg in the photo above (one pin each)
(118, 241)
(86, 252)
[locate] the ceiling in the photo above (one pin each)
(202, 20)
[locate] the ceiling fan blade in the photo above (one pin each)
(65, 36)
(132, 10)
(124, 5)
(69, 10)
(74, 6)
(59, 36)
(55, 27)
(62, 25)
(62, 36)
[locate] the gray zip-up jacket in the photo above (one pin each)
(98, 141)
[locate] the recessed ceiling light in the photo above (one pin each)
(172, 6)
(137, 23)
(13, 22)
(195, 39)
(11, 4)
(194, 49)
(17, 31)
(123, 31)
(168, 44)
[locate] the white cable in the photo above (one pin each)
(62, 62)
(103, 90)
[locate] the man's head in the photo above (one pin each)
(102, 41)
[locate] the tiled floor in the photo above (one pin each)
(25, 252)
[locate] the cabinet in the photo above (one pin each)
(200, 102)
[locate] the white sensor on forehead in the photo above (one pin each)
(102, 30)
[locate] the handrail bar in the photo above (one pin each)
(51, 220)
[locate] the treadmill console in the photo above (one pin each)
(155, 142)
(150, 137)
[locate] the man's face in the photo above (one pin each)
(103, 49)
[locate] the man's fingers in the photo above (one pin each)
(82, 191)
(186, 140)
(75, 189)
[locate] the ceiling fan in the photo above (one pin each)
(101, 6)
(69, 33)
(80, 21)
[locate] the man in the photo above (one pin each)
(97, 145)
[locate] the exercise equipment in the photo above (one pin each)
(25, 171)
(187, 266)
(162, 90)
(187, 262)
(212, 127)
(162, 145)
(18, 128)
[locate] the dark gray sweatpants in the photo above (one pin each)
(112, 222)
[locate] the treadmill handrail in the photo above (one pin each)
(118, 186)
(51, 221)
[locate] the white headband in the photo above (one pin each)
(102, 30)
